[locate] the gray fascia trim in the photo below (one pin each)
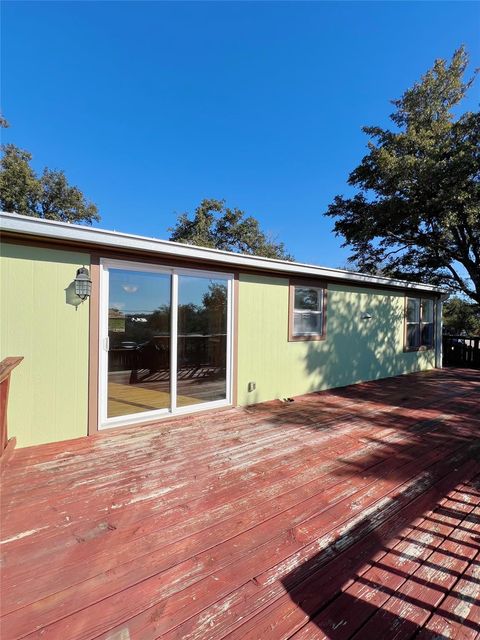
(53, 230)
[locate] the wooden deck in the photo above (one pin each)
(353, 513)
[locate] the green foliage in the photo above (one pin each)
(215, 225)
(461, 317)
(215, 299)
(47, 196)
(416, 214)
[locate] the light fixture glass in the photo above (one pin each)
(83, 284)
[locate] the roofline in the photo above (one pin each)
(54, 230)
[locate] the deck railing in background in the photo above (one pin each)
(7, 365)
(461, 351)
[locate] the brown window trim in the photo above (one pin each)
(406, 348)
(316, 284)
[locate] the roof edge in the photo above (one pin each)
(55, 230)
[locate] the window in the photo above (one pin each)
(307, 311)
(418, 324)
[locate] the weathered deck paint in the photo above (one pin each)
(252, 523)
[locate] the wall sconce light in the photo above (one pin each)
(366, 316)
(83, 284)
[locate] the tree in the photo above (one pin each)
(461, 317)
(215, 225)
(47, 196)
(416, 213)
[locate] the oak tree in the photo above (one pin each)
(48, 195)
(416, 212)
(217, 226)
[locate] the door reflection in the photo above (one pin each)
(202, 340)
(139, 342)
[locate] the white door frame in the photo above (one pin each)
(174, 272)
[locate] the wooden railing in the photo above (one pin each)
(461, 351)
(6, 445)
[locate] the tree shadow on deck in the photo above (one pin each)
(409, 419)
(353, 588)
(413, 403)
(363, 360)
(358, 350)
(427, 412)
(331, 586)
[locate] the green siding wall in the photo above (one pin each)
(354, 350)
(49, 390)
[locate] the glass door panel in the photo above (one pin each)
(139, 342)
(201, 339)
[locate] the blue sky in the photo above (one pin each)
(150, 107)
(142, 292)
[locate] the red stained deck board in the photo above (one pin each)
(245, 476)
(295, 603)
(421, 569)
(407, 610)
(151, 451)
(176, 430)
(233, 525)
(154, 562)
(231, 554)
(227, 552)
(265, 485)
(250, 564)
(458, 616)
(59, 475)
(324, 442)
(18, 513)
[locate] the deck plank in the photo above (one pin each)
(410, 606)
(283, 607)
(253, 523)
(419, 570)
(291, 469)
(215, 547)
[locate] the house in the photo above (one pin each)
(168, 329)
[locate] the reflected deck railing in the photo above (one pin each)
(193, 350)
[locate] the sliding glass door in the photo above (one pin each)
(165, 342)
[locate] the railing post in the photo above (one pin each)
(438, 333)
(6, 445)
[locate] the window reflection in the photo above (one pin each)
(139, 342)
(202, 340)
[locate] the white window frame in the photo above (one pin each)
(321, 289)
(419, 324)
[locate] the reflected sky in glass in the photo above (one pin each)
(141, 291)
